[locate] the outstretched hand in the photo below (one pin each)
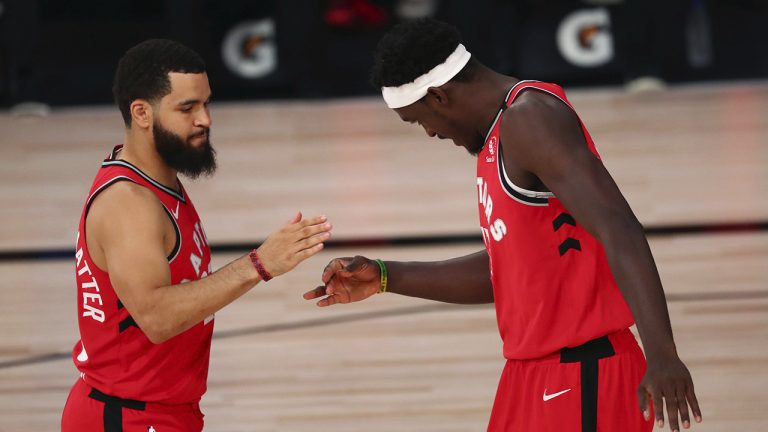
(669, 381)
(347, 280)
(296, 241)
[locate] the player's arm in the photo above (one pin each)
(464, 280)
(128, 225)
(543, 136)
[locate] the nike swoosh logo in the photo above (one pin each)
(176, 213)
(547, 397)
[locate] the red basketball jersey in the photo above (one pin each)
(551, 281)
(113, 354)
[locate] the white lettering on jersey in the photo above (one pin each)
(498, 228)
(196, 262)
(90, 289)
(198, 236)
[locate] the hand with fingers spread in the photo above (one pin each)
(669, 381)
(296, 241)
(347, 280)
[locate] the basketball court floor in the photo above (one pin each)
(692, 162)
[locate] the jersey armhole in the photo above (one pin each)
(102, 188)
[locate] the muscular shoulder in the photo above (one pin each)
(537, 126)
(126, 202)
(535, 111)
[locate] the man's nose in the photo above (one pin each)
(203, 119)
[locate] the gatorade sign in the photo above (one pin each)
(584, 38)
(249, 49)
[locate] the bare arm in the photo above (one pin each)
(464, 280)
(542, 136)
(129, 245)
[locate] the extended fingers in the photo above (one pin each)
(315, 293)
(673, 407)
(642, 397)
(682, 406)
(310, 242)
(658, 406)
(304, 223)
(328, 301)
(691, 396)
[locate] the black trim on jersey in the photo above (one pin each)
(502, 108)
(113, 409)
(128, 323)
(568, 244)
(511, 191)
(176, 229)
(589, 355)
(177, 246)
(115, 151)
(101, 189)
(153, 182)
(119, 305)
(562, 219)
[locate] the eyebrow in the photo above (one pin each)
(193, 101)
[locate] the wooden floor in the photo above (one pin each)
(696, 154)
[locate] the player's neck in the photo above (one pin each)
(139, 150)
(491, 89)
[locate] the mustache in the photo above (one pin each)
(206, 131)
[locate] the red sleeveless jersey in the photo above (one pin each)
(113, 354)
(551, 282)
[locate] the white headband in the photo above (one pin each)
(408, 93)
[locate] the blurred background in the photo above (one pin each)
(63, 52)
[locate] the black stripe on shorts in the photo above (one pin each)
(113, 409)
(588, 355)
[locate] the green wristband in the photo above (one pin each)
(383, 276)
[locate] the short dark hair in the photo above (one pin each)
(142, 72)
(413, 48)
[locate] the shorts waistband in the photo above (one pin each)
(137, 405)
(605, 346)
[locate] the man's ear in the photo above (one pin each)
(436, 96)
(141, 113)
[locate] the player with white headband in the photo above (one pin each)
(566, 262)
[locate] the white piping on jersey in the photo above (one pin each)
(505, 178)
(106, 184)
(146, 177)
(529, 193)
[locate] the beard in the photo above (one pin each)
(182, 156)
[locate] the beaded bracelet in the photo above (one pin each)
(265, 276)
(383, 276)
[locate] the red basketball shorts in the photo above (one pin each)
(589, 388)
(87, 409)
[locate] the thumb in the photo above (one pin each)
(296, 218)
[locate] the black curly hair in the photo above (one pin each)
(413, 48)
(142, 72)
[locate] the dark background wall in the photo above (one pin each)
(65, 51)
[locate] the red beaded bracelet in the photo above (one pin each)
(265, 276)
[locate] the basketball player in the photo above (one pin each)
(146, 290)
(565, 261)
